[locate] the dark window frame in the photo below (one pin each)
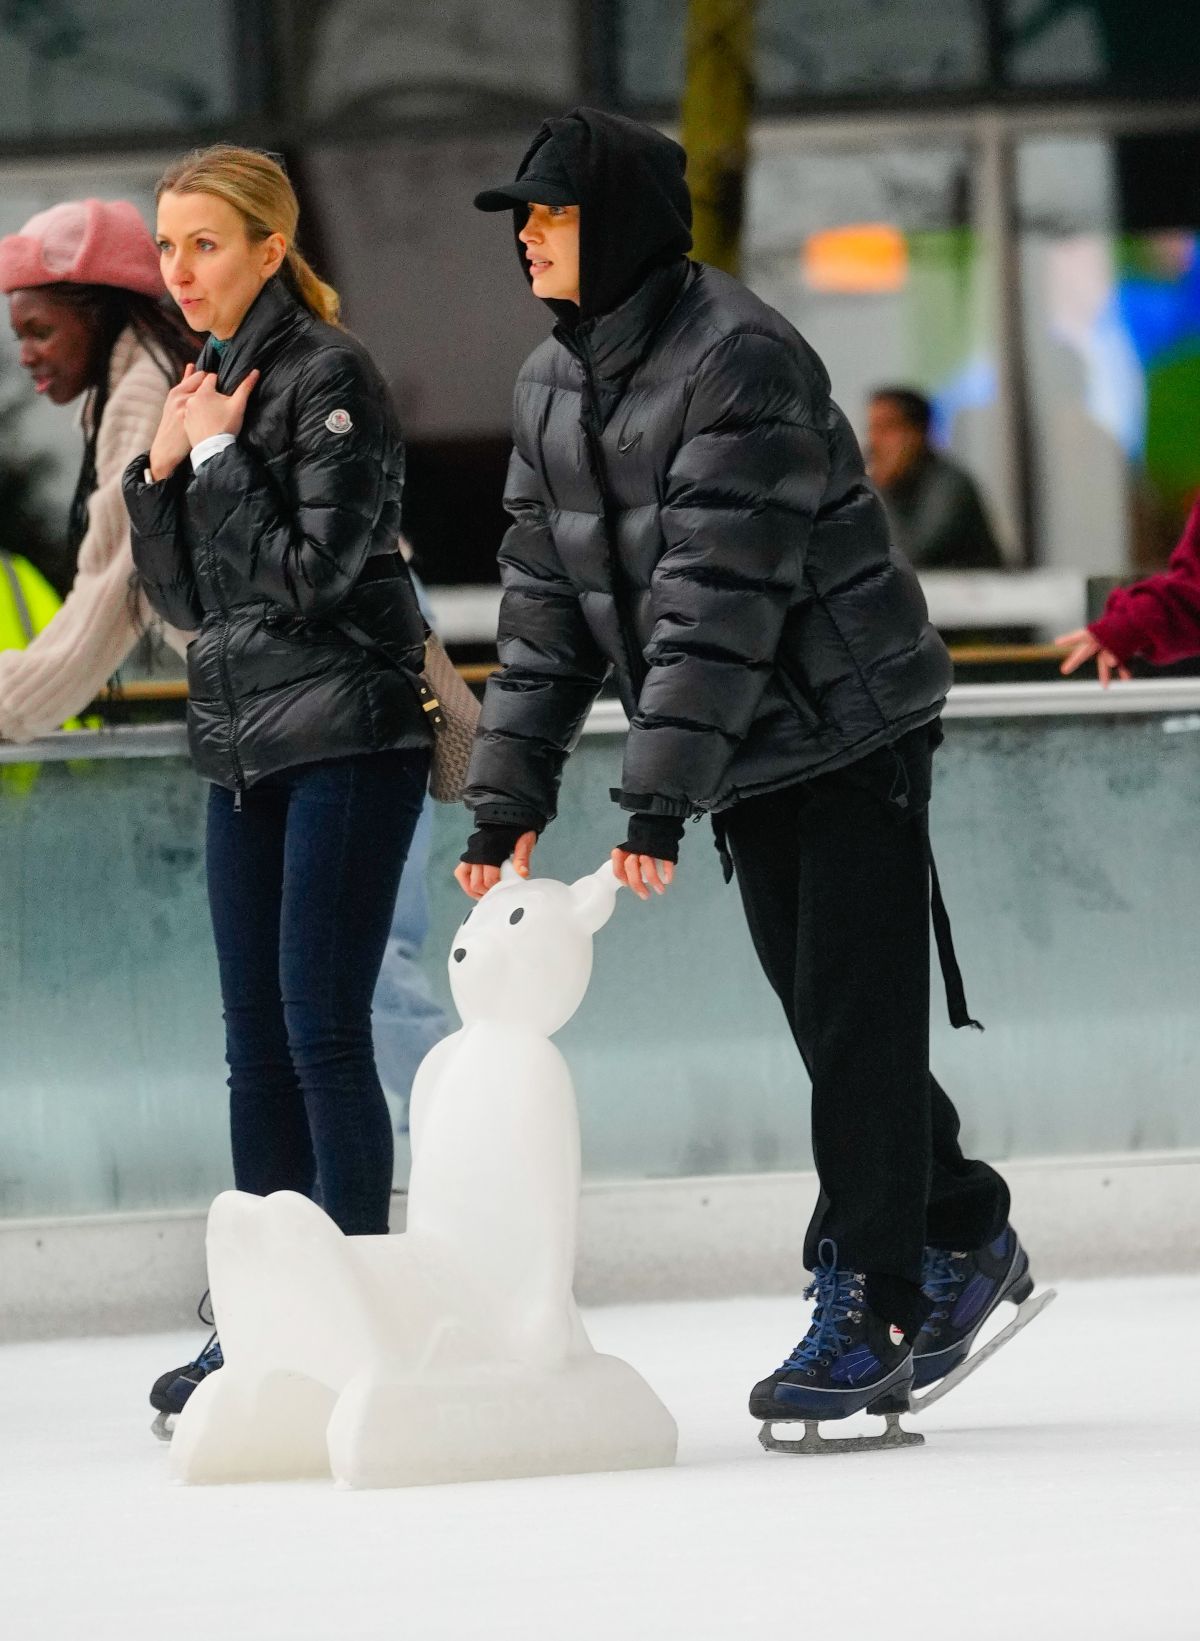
(994, 90)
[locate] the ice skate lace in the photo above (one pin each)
(939, 1279)
(210, 1357)
(839, 1298)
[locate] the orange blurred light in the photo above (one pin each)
(869, 258)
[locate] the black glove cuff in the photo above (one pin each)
(655, 835)
(492, 845)
(509, 814)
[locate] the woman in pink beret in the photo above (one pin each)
(86, 301)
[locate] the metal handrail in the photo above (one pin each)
(478, 672)
(1052, 601)
(1052, 699)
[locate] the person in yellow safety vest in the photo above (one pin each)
(28, 603)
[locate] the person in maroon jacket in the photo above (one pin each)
(1156, 620)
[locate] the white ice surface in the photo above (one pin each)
(1058, 1494)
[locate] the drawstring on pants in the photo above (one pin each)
(721, 841)
(956, 999)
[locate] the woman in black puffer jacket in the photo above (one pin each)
(266, 516)
(692, 518)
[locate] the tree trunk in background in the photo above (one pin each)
(718, 98)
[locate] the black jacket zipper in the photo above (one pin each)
(635, 661)
(239, 777)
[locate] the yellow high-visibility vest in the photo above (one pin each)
(28, 603)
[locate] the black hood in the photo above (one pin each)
(635, 208)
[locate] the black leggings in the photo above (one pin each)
(834, 878)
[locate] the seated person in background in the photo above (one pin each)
(934, 508)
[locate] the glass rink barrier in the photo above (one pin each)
(1065, 828)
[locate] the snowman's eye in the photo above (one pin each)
(517, 915)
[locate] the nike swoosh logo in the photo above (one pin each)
(626, 445)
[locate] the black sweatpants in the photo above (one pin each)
(834, 877)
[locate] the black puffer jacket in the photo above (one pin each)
(277, 541)
(690, 510)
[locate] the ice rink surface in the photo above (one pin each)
(1058, 1494)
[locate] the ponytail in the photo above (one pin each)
(318, 297)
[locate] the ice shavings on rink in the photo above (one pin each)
(1057, 1495)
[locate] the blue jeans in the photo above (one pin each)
(408, 1019)
(301, 884)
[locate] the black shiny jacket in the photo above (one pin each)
(691, 513)
(278, 541)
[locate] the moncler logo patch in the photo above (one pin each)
(338, 421)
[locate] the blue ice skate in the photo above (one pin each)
(172, 1389)
(965, 1289)
(849, 1361)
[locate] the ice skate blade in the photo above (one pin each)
(161, 1428)
(812, 1441)
(1025, 1315)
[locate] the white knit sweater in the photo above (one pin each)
(68, 664)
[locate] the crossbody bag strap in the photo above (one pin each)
(426, 699)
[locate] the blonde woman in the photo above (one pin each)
(265, 515)
(85, 298)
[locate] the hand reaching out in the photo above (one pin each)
(643, 873)
(475, 879)
(1083, 646)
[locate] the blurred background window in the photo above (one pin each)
(1134, 46)
(372, 59)
(832, 48)
(1110, 293)
(112, 66)
(872, 252)
(876, 50)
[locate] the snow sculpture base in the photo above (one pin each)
(454, 1352)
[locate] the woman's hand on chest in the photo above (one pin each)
(208, 411)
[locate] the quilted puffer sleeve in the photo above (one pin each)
(304, 549)
(160, 555)
(741, 496)
(550, 666)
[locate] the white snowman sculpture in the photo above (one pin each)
(453, 1352)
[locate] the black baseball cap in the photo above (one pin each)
(528, 191)
(544, 178)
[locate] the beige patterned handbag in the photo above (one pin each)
(454, 713)
(452, 709)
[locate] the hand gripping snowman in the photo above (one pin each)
(453, 1352)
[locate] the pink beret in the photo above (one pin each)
(83, 242)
